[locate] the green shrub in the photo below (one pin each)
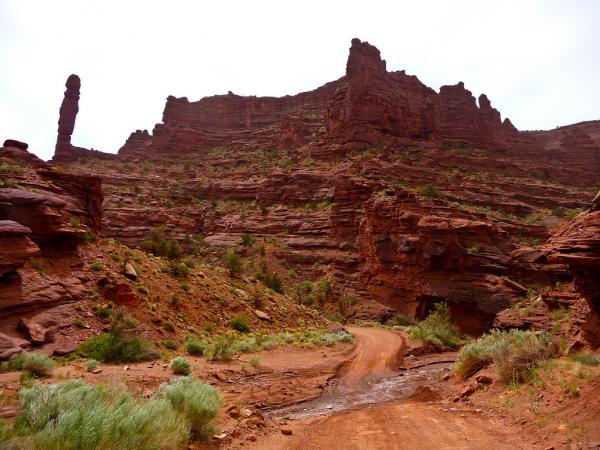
(248, 240)
(220, 349)
(195, 347)
(157, 244)
(437, 328)
(516, 353)
(429, 191)
(102, 311)
(240, 323)
(255, 361)
(304, 292)
(121, 344)
(78, 416)
(273, 282)
(169, 344)
(91, 365)
(34, 364)
(177, 269)
(96, 266)
(198, 402)
(233, 263)
(181, 366)
(170, 327)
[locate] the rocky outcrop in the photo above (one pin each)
(577, 244)
(68, 113)
(15, 246)
(14, 143)
(414, 259)
(64, 150)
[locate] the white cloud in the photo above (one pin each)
(536, 60)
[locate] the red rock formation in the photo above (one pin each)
(414, 259)
(64, 150)
(577, 244)
(15, 246)
(68, 113)
(14, 143)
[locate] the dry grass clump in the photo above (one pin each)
(516, 354)
(74, 415)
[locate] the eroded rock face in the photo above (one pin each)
(577, 244)
(414, 259)
(336, 208)
(15, 246)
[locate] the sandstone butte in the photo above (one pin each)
(399, 196)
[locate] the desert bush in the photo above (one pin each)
(240, 323)
(429, 191)
(220, 349)
(160, 246)
(248, 240)
(177, 268)
(78, 416)
(437, 328)
(195, 347)
(34, 364)
(121, 344)
(516, 354)
(169, 344)
(198, 402)
(233, 263)
(181, 366)
(273, 282)
(96, 266)
(91, 365)
(245, 346)
(304, 292)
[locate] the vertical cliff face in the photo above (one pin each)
(577, 244)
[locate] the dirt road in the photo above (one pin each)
(376, 354)
(391, 425)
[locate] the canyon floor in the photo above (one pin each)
(371, 395)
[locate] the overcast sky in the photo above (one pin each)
(538, 61)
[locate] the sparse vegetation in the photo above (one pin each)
(96, 266)
(91, 364)
(233, 263)
(33, 364)
(240, 323)
(587, 359)
(121, 344)
(516, 354)
(248, 240)
(273, 282)
(429, 191)
(437, 328)
(181, 366)
(195, 347)
(160, 246)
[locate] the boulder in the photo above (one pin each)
(130, 272)
(33, 331)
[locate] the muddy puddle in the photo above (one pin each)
(403, 384)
